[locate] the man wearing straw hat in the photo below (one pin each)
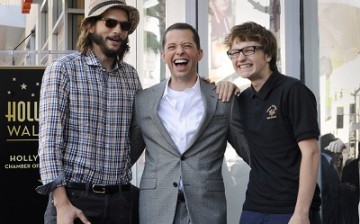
(86, 103)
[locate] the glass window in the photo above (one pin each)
(223, 14)
(339, 66)
(44, 20)
(76, 4)
(154, 27)
(57, 10)
(339, 52)
(74, 29)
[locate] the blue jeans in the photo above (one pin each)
(250, 217)
(98, 208)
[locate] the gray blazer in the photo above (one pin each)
(199, 166)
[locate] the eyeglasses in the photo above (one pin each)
(111, 23)
(250, 50)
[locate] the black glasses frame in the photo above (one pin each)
(249, 50)
(111, 23)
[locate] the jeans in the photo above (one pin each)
(251, 217)
(98, 208)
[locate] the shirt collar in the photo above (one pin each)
(269, 84)
(327, 156)
(92, 60)
(195, 88)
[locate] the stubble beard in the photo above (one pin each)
(100, 41)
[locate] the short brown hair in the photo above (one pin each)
(251, 31)
(182, 26)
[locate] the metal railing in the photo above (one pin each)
(30, 57)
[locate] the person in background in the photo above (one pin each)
(185, 129)
(280, 120)
(86, 102)
(350, 190)
(331, 154)
(336, 148)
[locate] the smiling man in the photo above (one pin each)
(185, 128)
(280, 120)
(86, 103)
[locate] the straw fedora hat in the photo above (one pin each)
(98, 7)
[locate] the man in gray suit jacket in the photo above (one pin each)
(185, 129)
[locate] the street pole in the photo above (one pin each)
(353, 143)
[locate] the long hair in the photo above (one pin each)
(84, 41)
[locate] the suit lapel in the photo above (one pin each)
(158, 93)
(210, 102)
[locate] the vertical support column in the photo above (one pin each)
(203, 29)
(290, 38)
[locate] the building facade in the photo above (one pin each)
(319, 43)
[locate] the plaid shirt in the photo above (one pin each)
(85, 114)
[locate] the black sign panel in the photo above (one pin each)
(19, 169)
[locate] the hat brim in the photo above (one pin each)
(133, 14)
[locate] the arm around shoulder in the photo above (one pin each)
(236, 133)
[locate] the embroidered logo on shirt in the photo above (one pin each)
(271, 111)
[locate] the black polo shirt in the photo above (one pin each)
(276, 118)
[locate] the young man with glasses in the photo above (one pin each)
(281, 125)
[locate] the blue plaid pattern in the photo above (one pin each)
(84, 120)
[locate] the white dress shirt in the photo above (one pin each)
(181, 113)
